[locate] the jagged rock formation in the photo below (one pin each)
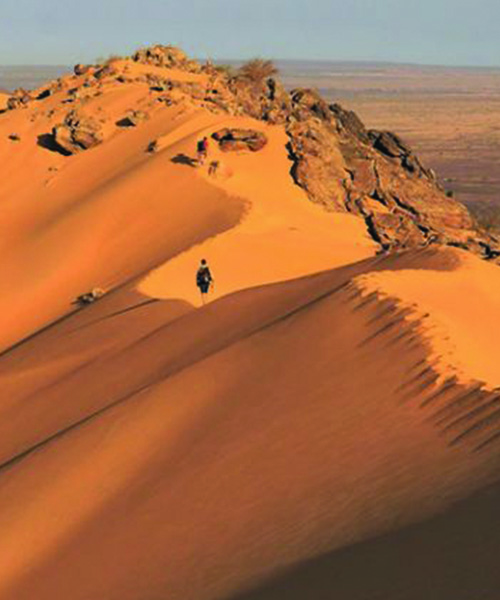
(374, 174)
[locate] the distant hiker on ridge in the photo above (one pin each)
(204, 279)
(202, 151)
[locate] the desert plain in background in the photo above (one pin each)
(450, 116)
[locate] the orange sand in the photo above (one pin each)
(463, 308)
(151, 449)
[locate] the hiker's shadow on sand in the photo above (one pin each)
(183, 159)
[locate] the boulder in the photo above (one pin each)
(153, 147)
(44, 94)
(77, 133)
(19, 99)
(232, 140)
(90, 297)
(80, 69)
(105, 71)
(133, 118)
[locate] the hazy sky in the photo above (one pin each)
(462, 32)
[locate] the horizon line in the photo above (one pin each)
(288, 60)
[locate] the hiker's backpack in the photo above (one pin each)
(203, 276)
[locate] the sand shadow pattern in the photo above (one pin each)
(462, 414)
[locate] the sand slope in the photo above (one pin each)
(3, 100)
(153, 449)
(73, 210)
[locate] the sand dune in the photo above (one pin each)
(326, 398)
(184, 459)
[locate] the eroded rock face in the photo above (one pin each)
(349, 122)
(78, 132)
(232, 140)
(374, 174)
(318, 164)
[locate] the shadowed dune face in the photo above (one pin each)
(324, 399)
(185, 459)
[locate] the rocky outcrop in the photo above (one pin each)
(80, 69)
(105, 71)
(318, 164)
(19, 99)
(77, 133)
(166, 56)
(233, 140)
(344, 167)
(266, 100)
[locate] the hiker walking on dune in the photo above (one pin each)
(202, 151)
(204, 279)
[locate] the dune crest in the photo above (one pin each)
(462, 333)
